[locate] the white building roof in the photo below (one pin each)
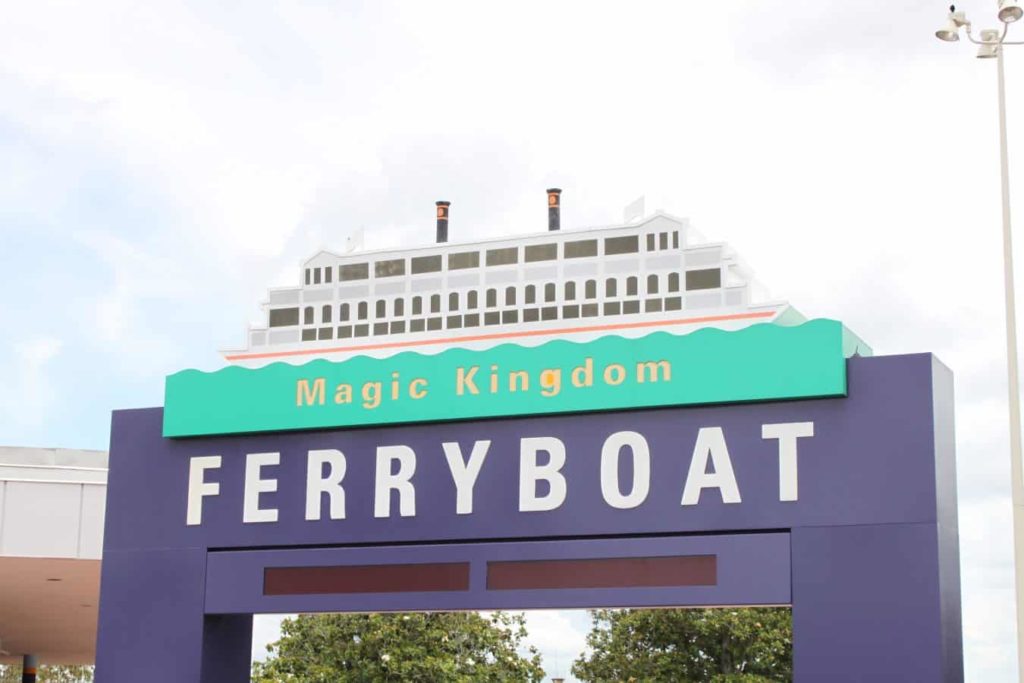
(52, 503)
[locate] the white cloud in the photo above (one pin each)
(38, 351)
(560, 636)
(29, 390)
(266, 629)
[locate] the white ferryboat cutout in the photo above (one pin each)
(630, 280)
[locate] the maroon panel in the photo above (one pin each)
(624, 572)
(371, 578)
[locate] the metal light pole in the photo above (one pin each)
(992, 43)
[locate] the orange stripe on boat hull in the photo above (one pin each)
(502, 335)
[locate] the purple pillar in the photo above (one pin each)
(153, 626)
(881, 602)
(227, 647)
(867, 606)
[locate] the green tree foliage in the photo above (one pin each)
(442, 647)
(49, 674)
(706, 645)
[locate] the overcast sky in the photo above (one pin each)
(162, 164)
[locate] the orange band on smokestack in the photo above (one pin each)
(442, 221)
(554, 208)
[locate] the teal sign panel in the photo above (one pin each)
(758, 363)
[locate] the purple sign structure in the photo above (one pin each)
(844, 508)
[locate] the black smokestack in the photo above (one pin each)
(554, 208)
(442, 221)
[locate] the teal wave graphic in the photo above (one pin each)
(760, 362)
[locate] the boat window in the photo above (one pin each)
(316, 276)
(673, 282)
(467, 259)
(453, 301)
(382, 308)
(581, 248)
(652, 284)
(389, 268)
(531, 294)
(354, 271)
(631, 285)
(549, 292)
(610, 287)
(362, 314)
(650, 242)
(502, 257)
(309, 276)
(541, 252)
(663, 241)
(425, 264)
(590, 289)
(343, 313)
(471, 299)
(510, 296)
(328, 275)
(417, 305)
(709, 278)
(629, 244)
(307, 316)
(399, 308)
(492, 298)
(570, 290)
(283, 317)
(675, 239)
(325, 313)
(435, 303)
